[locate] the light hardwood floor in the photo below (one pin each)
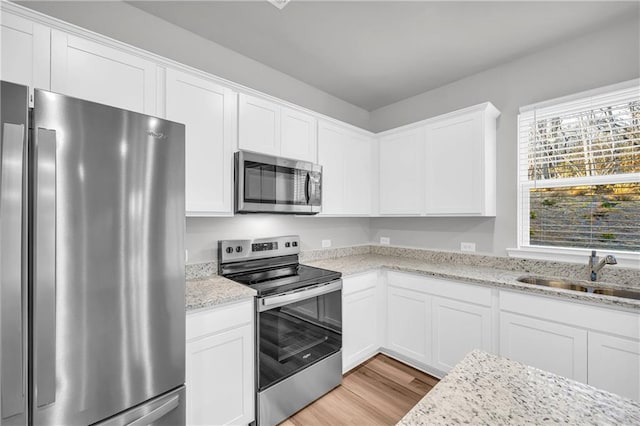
(379, 392)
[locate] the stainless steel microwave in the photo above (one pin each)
(267, 184)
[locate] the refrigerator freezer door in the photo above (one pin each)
(166, 410)
(115, 305)
(13, 331)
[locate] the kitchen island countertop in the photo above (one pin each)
(486, 389)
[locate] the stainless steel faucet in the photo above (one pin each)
(595, 264)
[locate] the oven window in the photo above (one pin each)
(294, 336)
(266, 183)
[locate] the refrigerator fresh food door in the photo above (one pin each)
(13, 308)
(108, 256)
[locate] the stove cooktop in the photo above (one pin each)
(283, 279)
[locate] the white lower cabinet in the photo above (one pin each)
(614, 364)
(592, 344)
(360, 319)
(458, 328)
(220, 365)
(409, 323)
(547, 345)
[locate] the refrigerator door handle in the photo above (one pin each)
(45, 267)
(11, 271)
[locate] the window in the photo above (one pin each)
(579, 171)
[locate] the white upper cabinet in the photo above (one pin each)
(346, 157)
(259, 125)
(443, 166)
(100, 73)
(209, 112)
(401, 173)
(25, 53)
(273, 129)
(460, 163)
(298, 135)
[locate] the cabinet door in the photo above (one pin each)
(88, 70)
(299, 134)
(219, 378)
(208, 111)
(358, 155)
(409, 323)
(331, 144)
(547, 345)
(454, 166)
(401, 173)
(614, 364)
(258, 125)
(458, 328)
(25, 53)
(359, 320)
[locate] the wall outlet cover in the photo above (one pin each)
(326, 243)
(467, 246)
(385, 241)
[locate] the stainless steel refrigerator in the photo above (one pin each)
(91, 263)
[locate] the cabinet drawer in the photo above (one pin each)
(214, 320)
(356, 283)
(612, 321)
(445, 288)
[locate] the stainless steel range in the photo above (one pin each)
(298, 323)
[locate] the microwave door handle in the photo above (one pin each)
(307, 188)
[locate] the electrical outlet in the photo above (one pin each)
(467, 246)
(326, 243)
(385, 241)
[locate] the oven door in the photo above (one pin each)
(277, 185)
(295, 330)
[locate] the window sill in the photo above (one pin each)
(625, 259)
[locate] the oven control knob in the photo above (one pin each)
(229, 250)
(295, 244)
(287, 245)
(239, 249)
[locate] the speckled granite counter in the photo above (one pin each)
(204, 288)
(485, 389)
(483, 275)
(213, 291)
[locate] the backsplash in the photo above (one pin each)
(623, 276)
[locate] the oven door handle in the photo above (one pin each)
(285, 299)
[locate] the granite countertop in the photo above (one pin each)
(214, 290)
(482, 270)
(486, 389)
(483, 275)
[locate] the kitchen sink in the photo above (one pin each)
(578, 286)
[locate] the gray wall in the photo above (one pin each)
(203, 233)
(603, 57)
(133, 26)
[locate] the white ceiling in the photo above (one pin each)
(374, 53)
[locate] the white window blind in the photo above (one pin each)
(579, 172)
